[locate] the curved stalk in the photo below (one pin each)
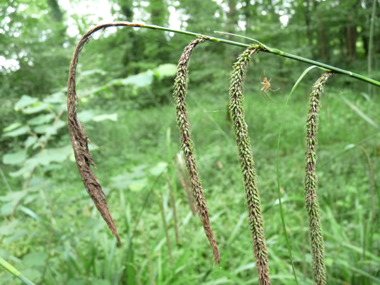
(260, 46)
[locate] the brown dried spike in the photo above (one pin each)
(79, 141)
(179, 93)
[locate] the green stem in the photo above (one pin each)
(15, 272)
(370, 44)
(5, 180)
(325, 66)
(260, 46)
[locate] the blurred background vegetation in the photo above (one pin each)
(50, 229)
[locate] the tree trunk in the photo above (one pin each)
(351, 34)
(309, 33)
(322, 33)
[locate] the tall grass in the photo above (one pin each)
(82, 250)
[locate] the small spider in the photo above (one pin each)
(266, 88)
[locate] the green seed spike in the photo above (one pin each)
(236, 109)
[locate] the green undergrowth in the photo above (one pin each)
(58, 237)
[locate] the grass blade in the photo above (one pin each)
(300, 78)
(359, 112)
(15, 272)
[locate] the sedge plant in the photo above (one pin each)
(84, 160)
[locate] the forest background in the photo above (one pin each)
(50, 229)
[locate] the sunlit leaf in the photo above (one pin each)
(51, 167)
(13, 197)
(49, 155)
(19, 235)
(95, 90)
(116, 82)
(36, 108)
(59, 124)
(91, 72)
(27, 168)
(360, 112)
(93, 146)
(25, 101)
(245, 267)
(329, 261)
(120, 181)
(34, 259)
(13, 270)
(350, 146)
(365, 96)
(6, 209)
(18, 132)
(49, 129)
(10, 200)
(165, 70)
(86, 116)
(30, 213)
(138, 184)
(9, 228)
(58, 97)
(24, 171)
(45, 129)
(134, 181)
(14, 158)
(139, 80)
(139, 171)
(44, 158)
(41, 119)
(159, 168)
(112, 117)
(12, 127)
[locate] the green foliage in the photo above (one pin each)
(36, 132)
(51, 232)
(15, 272)
(81, 249)
(47, 126)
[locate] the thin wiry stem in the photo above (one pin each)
(260, 46)
(311, 199)
(370, 43)
(163, 216)
(184, 182)
(256, 221)
(172, 200)
(179, 94)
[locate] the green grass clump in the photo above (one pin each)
(58, 237)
